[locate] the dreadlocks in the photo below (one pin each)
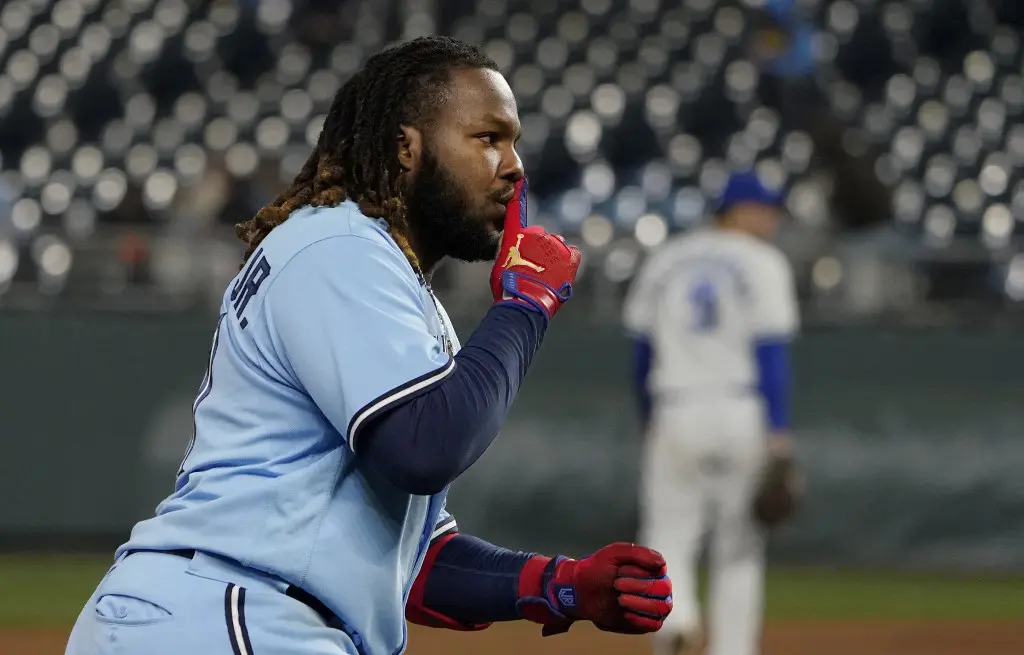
(356, 155)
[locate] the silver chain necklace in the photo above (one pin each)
(444, 324)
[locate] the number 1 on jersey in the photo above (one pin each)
(703, 300)
(204, 391)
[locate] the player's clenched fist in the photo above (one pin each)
(620, 588)
(532, 266)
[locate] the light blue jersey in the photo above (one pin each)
(325, 327)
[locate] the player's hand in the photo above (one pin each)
(533, 268)
(621, 588)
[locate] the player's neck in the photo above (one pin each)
(732, 228)
(424, 254)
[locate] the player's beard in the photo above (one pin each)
(443, 218)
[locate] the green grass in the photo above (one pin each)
(812, 594)
(49, 591)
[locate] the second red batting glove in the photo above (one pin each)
(621, 588)
(532, 267)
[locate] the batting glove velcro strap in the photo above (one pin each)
(536, 601)
(519, 288)
(621, 588)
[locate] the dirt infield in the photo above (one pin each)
(781, 638)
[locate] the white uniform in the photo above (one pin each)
(704, 300)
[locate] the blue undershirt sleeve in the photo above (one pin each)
(774, 380)
(642, 356)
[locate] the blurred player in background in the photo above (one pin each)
(308, 515)
(712, 312)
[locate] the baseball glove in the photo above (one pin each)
(779, 493)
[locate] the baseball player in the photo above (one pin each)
(711, 313)
(308, 515)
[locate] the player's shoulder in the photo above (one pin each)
(318, 252)
(756, 251)
(679, 250)
(772, 257)
(340, 239)
(669, 252)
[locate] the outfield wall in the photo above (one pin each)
(912, 440)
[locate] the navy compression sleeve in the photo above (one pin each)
(473, 581)
(773, 368)
(422, 445)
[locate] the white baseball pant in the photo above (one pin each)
(703, 458)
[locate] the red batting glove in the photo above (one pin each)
(533, 267)
(621, 588)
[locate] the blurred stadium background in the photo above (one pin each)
(135, 133)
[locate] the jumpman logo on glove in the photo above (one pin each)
(516, 259)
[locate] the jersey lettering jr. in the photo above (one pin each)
(704, 300)
(325, 327)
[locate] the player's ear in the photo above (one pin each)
(410, 147)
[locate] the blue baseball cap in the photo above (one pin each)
(747, 187)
